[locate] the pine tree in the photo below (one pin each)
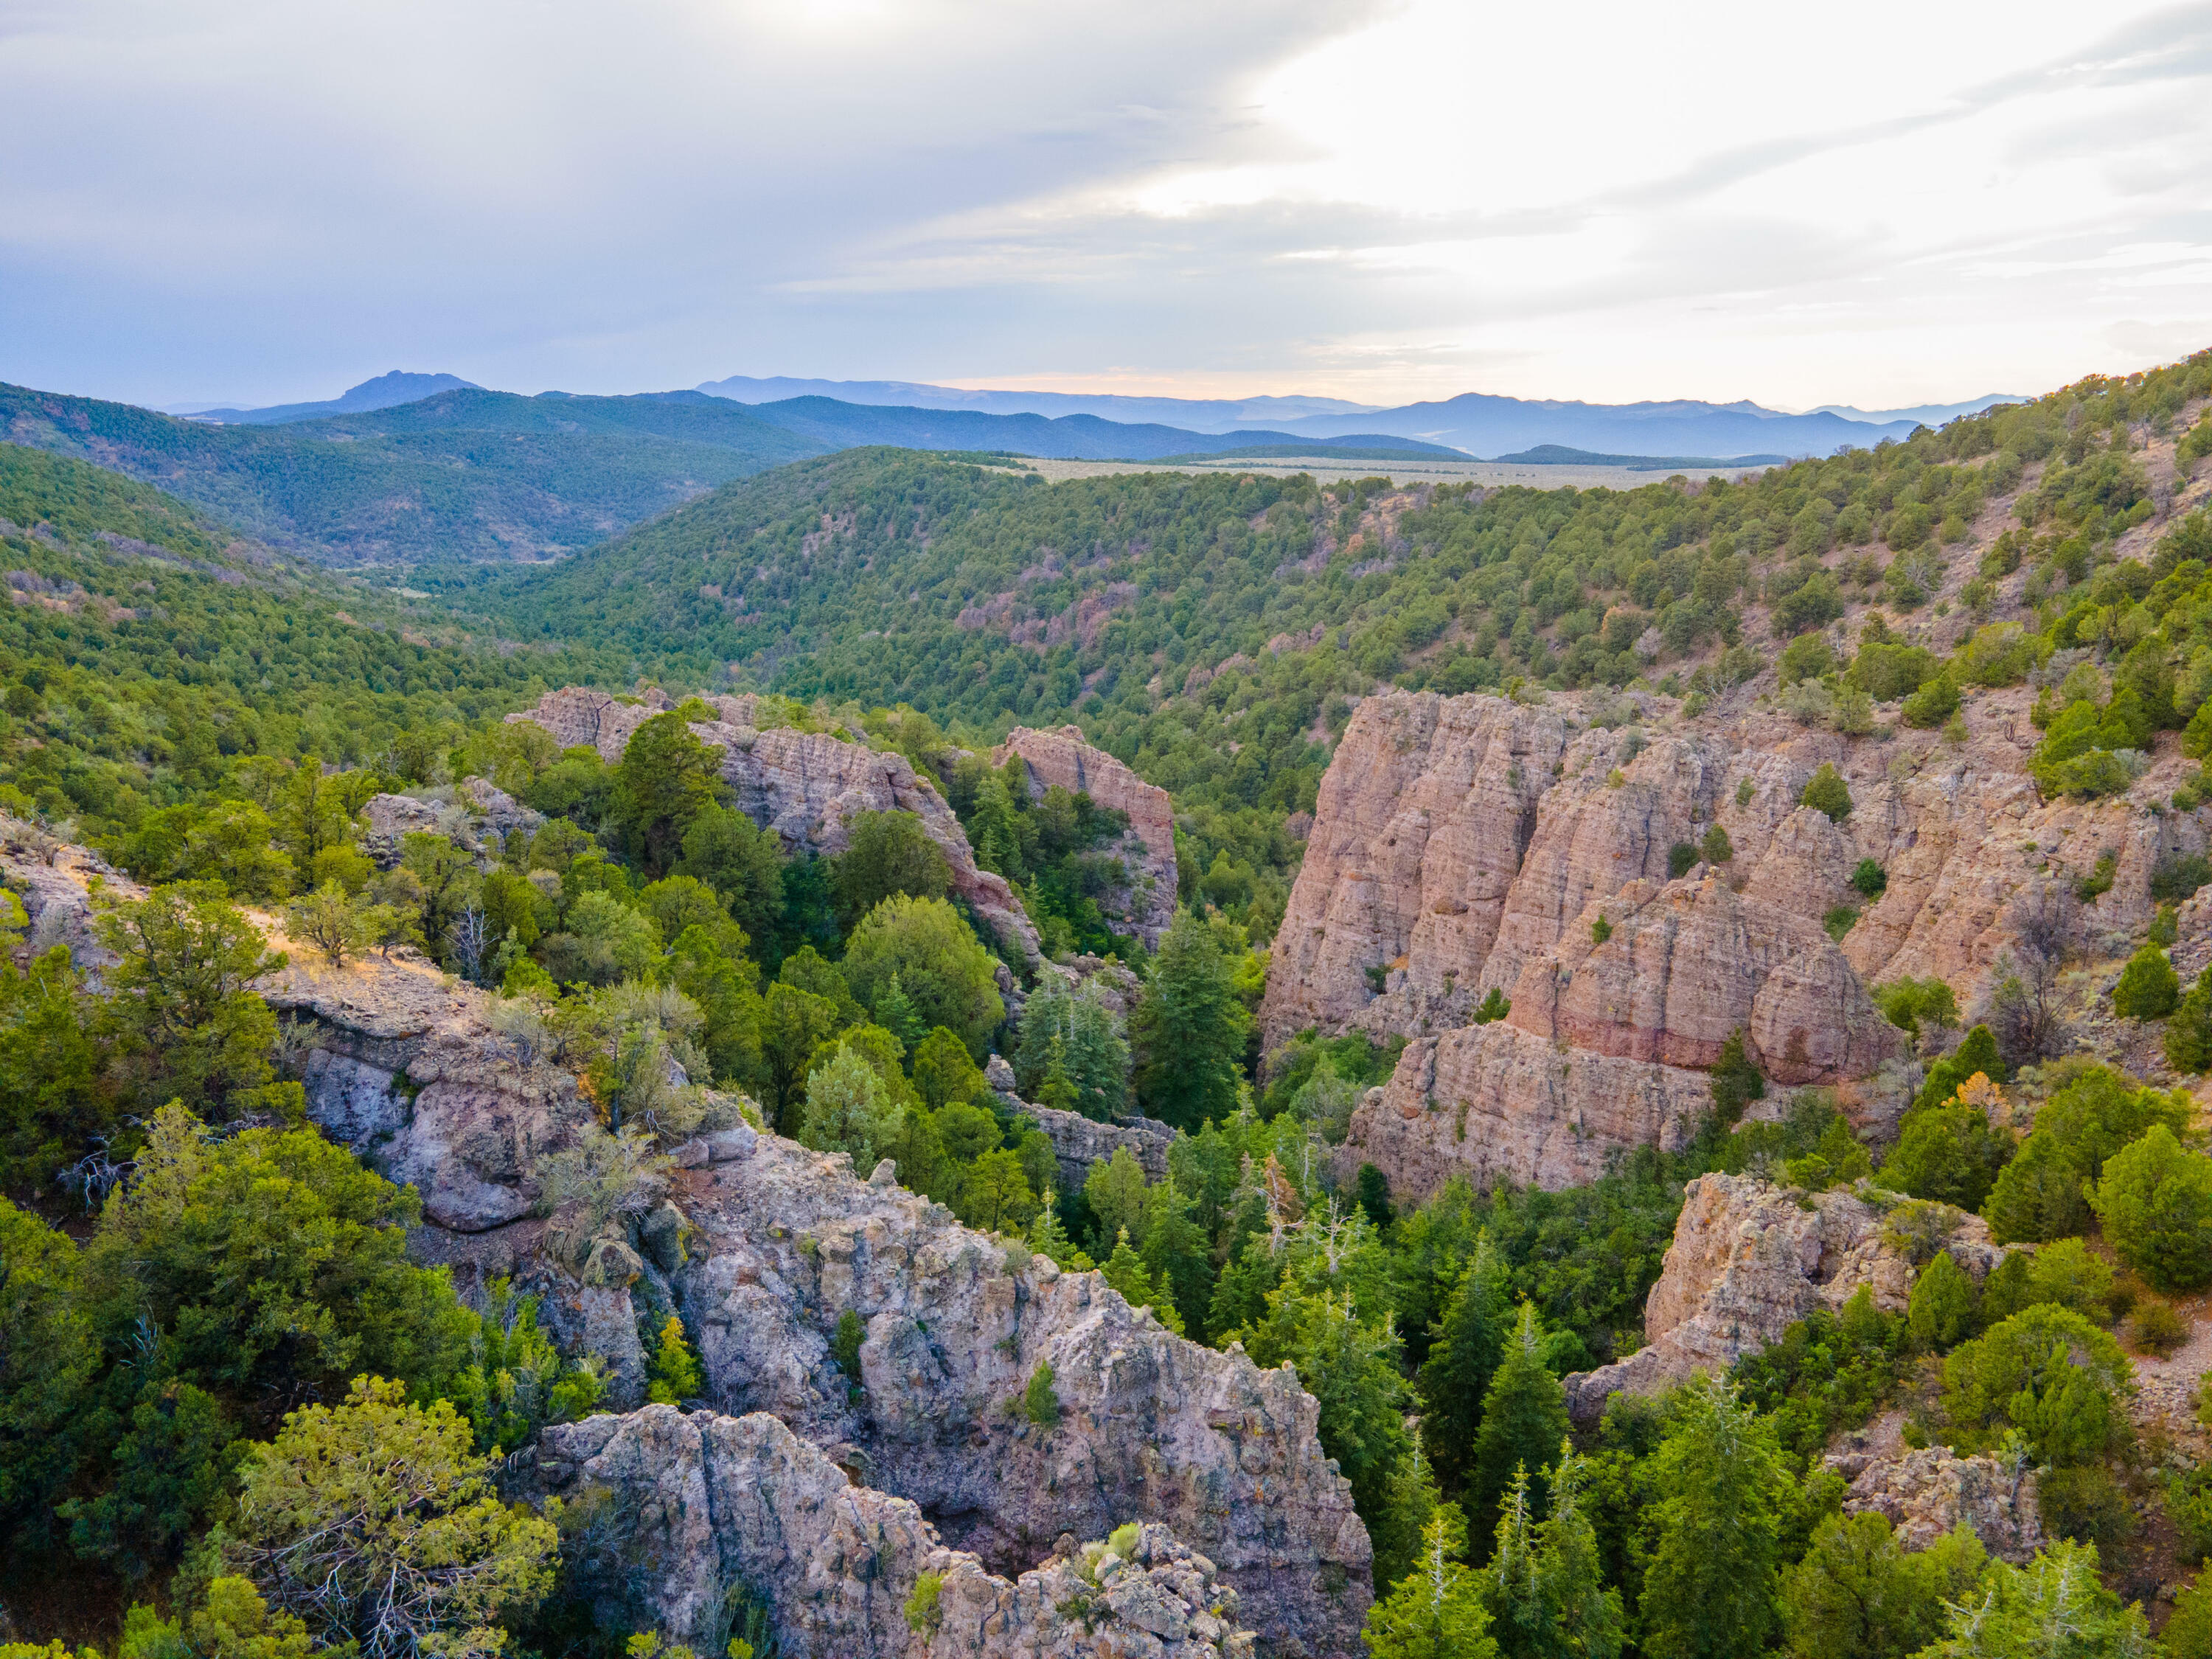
(1436, 1612)
(1462, 1358)
(1410, 1501)
(1057, 1092)
(1524, 1417)
(1190, 1030)
(1716, 1483)
(896, 1013)
(1582, 1617)
(1125, 1271)
(1942, 1314)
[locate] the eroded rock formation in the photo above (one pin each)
(705, 1513)
(1748, 1260)
(957, 1324)
(1466, 845)
(1145, 904)
(1492, 1102)
(805, 786)
(1078, 1142)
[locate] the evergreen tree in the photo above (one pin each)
(665, 779)
(1545, 1587)
(1125, 1272)
(1436, 1612)
(1190, 1030)
(1175, 1251)
(1524, 1419)
(1351, 1367)
(2149, 989)
(674, 1374)
(895, 1012)
(1056, 1090)
(1093, 1049)
(1462, 1360)
(1717, 1483)
(1857, 1592)
(1942, 1314)
(2038, 1196)
(1410, 1501)
(2189, 1033)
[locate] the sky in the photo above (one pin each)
(1880, 204)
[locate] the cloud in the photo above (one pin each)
(246, 198)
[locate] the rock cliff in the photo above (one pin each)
(1463, 845)
(1145, 904)
(805, 786)
(702, 1515)
(1748, 1260)
(1078, 1142)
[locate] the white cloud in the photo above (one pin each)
(1897, 203)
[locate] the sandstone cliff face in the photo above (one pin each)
(1747, 1261)
(1206, 1444)
(805, 786)
(1687, 962)
(703, 1512)
(1466, 844)
(1492, 1102)
(1421, 826)
(1062, 759)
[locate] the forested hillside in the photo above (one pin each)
(466, 474)
(576, 1092)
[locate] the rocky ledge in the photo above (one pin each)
(1748, 1260)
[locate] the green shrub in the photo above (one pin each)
(2038, 1195)
(2049, 1373)
(1736, 1081)
(1931, 705)
(2099, 882)
(1827, 792)
(1839, 919)
(1905, 1003)
(1869, 878)
(1679, 858)
(1601, 930)
(1946, 1305)
(2155, 1201)
(1039, 1403)
(1493, 1006)
(1715, 848)
(2176, 878)
(845, 1345)
(2156, 1328)
(2189, 1032)
(1948, 1153)
(923, 1614)
(2149, 988)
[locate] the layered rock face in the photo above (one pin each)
(1464, 845)
(1422, 823)
(1748, 1260)
(805, 786)
(1061, 759)
(1492, 1102)
(704, 1513)
(1687, 962)
(1150, 1425)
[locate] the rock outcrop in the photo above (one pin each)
(1078, 1142)
(1423, 821)
(1221, 1452)
(1748, 1260)
(1145, 904)
(1496, 1102)
(705, 1514)
(1926, 1494)
(805, 786)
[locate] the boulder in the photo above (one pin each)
(1926, 1494)
(1143, 904)
(707, 1517)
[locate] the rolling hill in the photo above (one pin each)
(465, 474)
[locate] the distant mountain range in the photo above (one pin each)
(1474, 424)
(1925, 413)
(1559, 455)
(839, 425)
